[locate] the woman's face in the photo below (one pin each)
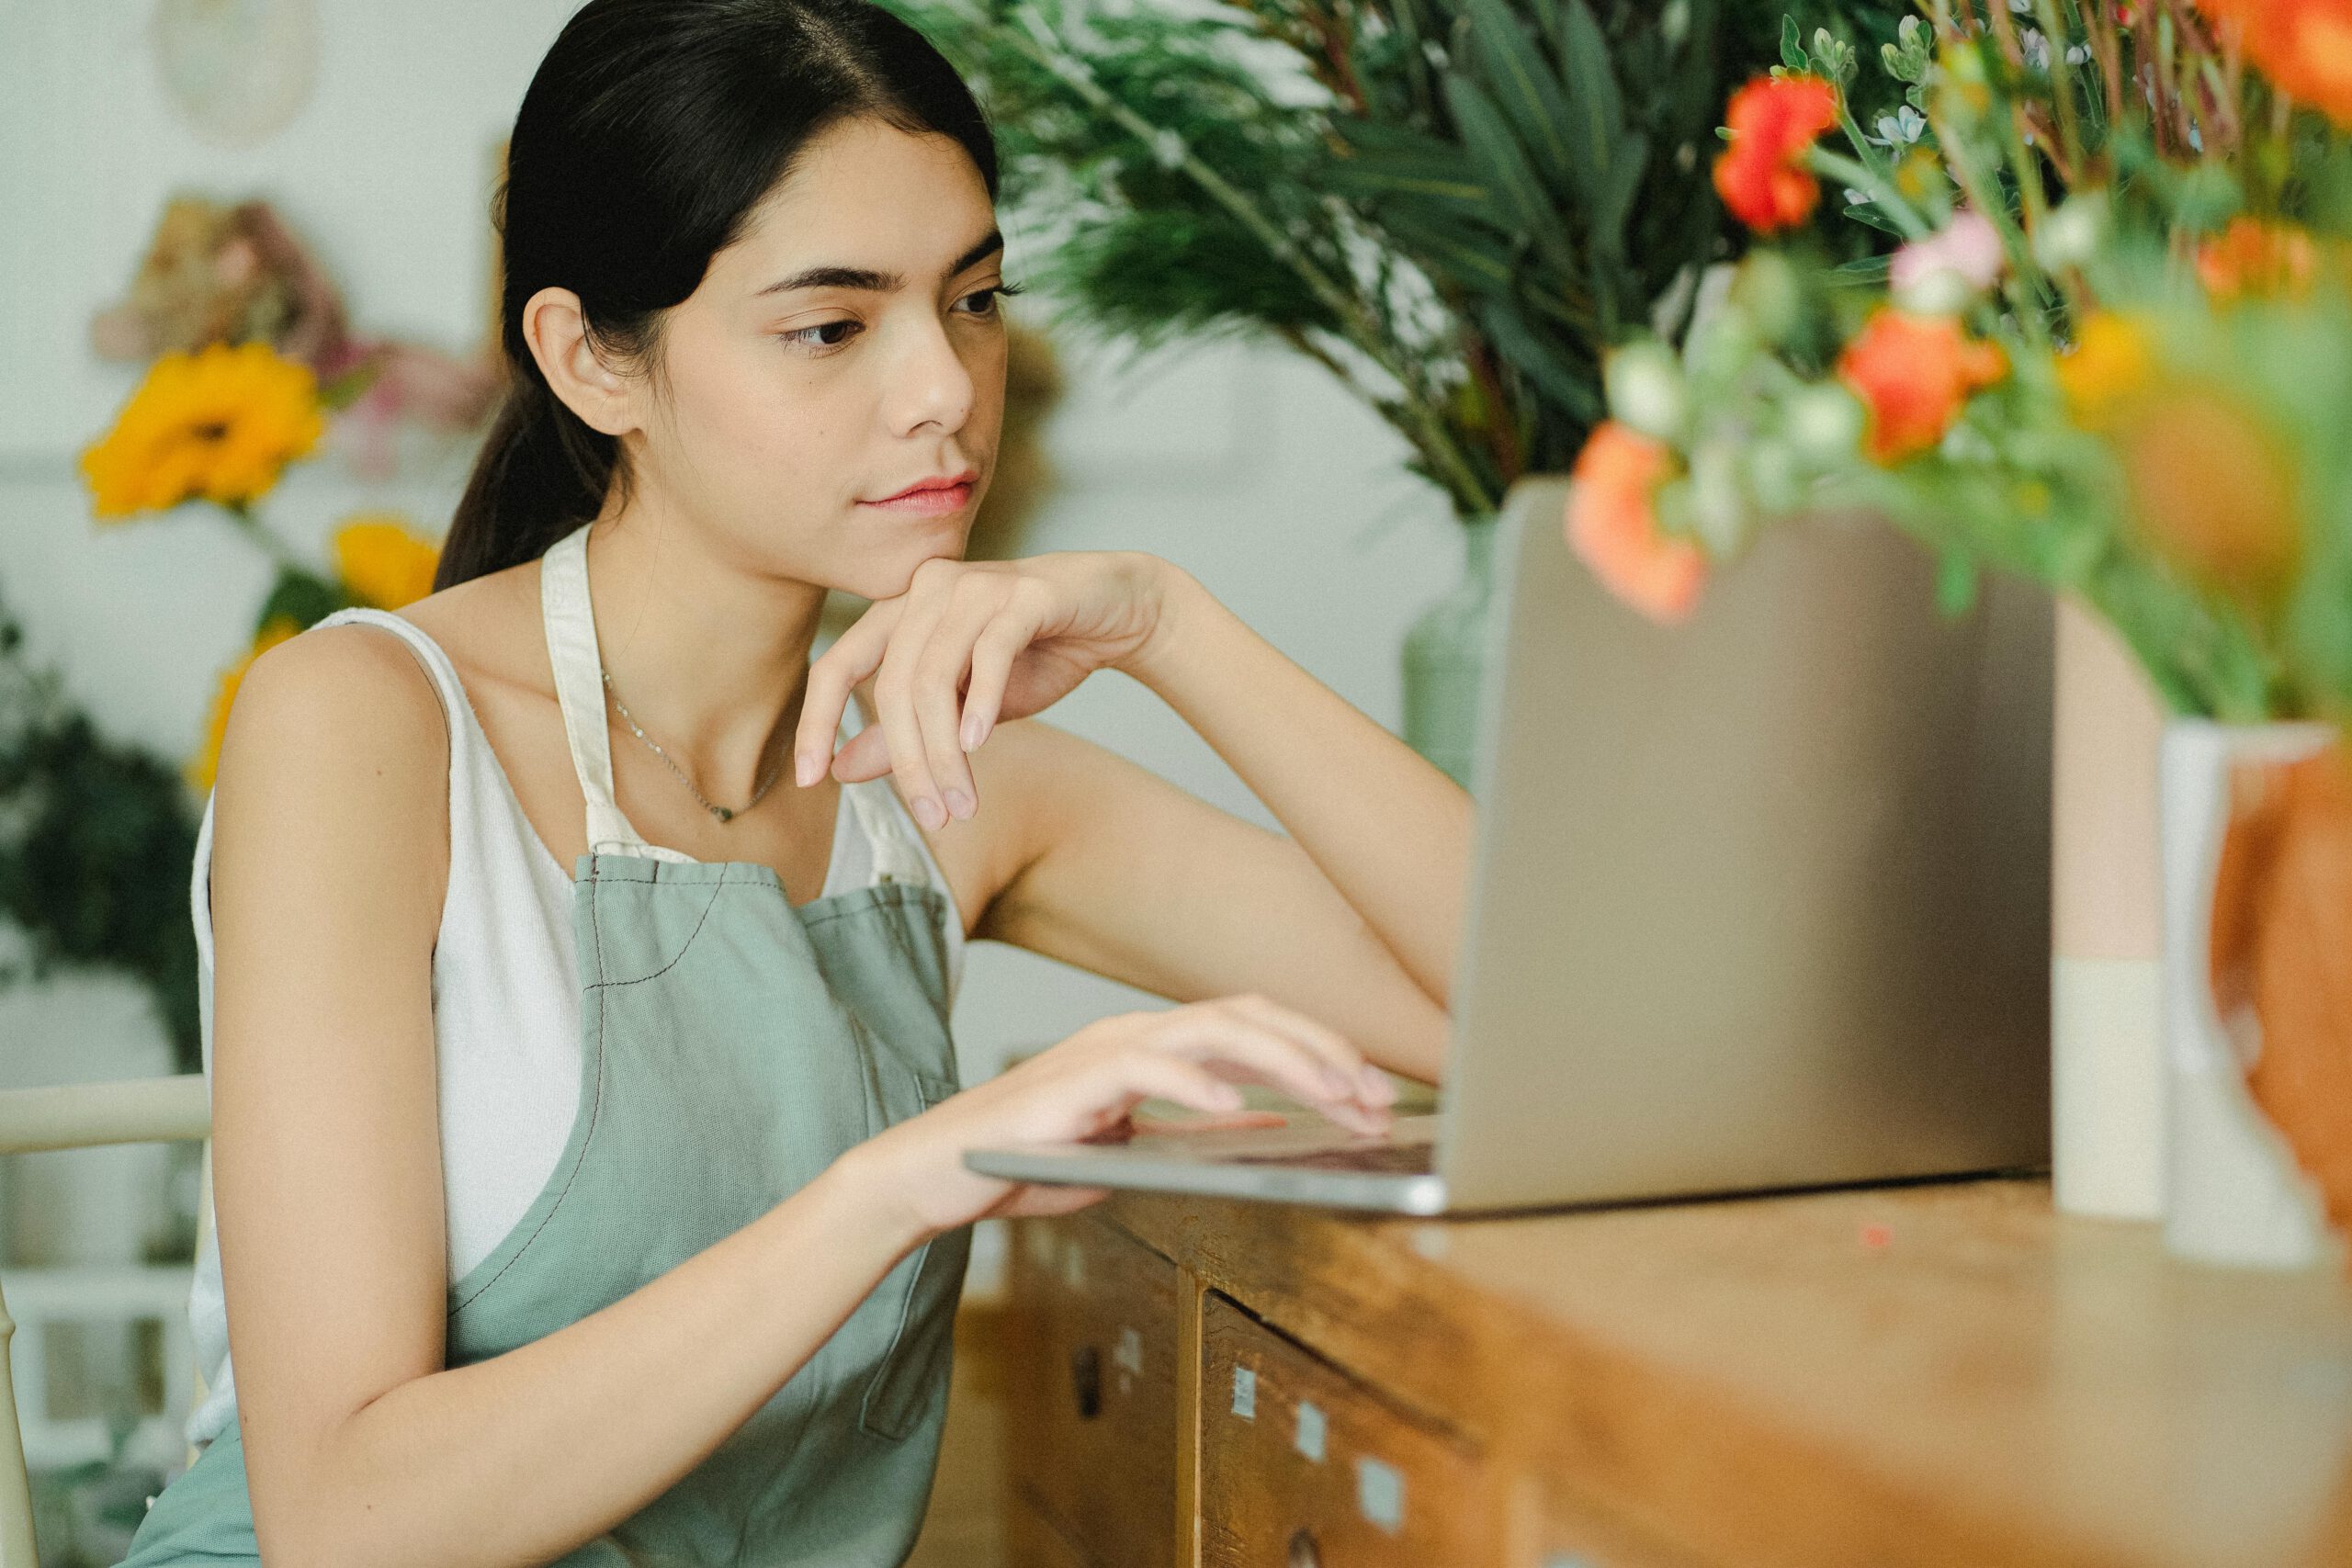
(791, 403)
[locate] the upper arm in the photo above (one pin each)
(329, 868)
(1117, 869)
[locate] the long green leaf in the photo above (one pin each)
(1498, 158)
(1597, 123)
(1465, 254)
(1397, 160)
(1579, 393)
(1529, 94)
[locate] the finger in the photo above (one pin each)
(1351, 1070)
(865, 755)
(894, 696)
(1143, 1073)
(1229, 1041)
(852, 657)
(1015, 627)
(939, 675)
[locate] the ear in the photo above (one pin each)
(557, 334)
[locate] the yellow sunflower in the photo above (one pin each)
(219, 424)
(382, 562)
(206, 763)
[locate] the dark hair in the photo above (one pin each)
(647, 135)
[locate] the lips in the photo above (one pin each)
(937, 481)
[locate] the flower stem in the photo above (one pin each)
(1852, 172)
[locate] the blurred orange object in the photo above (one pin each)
(2281, 956)
(1913, 373)
(1611, 524)
(1773, 122)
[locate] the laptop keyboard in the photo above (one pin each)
(1401, 1159)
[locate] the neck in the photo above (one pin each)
(711, 656)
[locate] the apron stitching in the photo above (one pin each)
(902, 892)
(716, 889)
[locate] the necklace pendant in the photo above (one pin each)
(721, 813)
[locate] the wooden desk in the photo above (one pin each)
(1757, 1382)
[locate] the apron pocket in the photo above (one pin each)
(921, 1354)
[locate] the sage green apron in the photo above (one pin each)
(733, 1044)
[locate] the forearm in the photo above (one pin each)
(1389, 829)
(521, 1458)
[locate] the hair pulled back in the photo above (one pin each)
(646, 136)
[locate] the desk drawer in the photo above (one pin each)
(1303, 1467)
(1090, 1336)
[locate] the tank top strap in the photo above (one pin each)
(454, 701)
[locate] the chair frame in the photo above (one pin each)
(176, 1108)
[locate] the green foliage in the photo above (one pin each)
(1455, 206)
(96, 839)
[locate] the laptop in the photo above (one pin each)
(1757, 902)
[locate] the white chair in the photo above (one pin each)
(140, 1110)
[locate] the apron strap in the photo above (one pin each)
(570, 622)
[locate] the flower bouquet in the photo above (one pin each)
(2113, 353)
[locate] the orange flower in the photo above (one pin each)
(1774, 120)
(2304, 45)
(2214, 493)
(1611, 524)
(1913, 373)
(207, 762)
(2255, 256)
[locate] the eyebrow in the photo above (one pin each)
(881, 282)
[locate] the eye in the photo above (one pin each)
(801, 336)
(991, 298)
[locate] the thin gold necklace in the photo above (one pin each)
(721, 812)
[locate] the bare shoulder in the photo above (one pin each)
(335, 755)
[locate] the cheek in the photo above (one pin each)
(750, 419)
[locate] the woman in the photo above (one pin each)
(619, 1215)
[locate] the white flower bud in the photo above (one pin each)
(1644, 384)
(2071, 234)
(1823, 422)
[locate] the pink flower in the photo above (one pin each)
(1939, 272)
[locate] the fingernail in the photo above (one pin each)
(970, 733)
(958, 803)
(1342, 1085)
(927, 812)
(803, 768)
(1376, 1084)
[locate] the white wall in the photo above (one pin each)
(1248, 468)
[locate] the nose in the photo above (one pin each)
(933, 385)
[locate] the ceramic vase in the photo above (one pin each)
(2234, 1194)
(1443, 652)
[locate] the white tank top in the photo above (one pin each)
(506, 995)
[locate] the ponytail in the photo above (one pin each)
(540, 474)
